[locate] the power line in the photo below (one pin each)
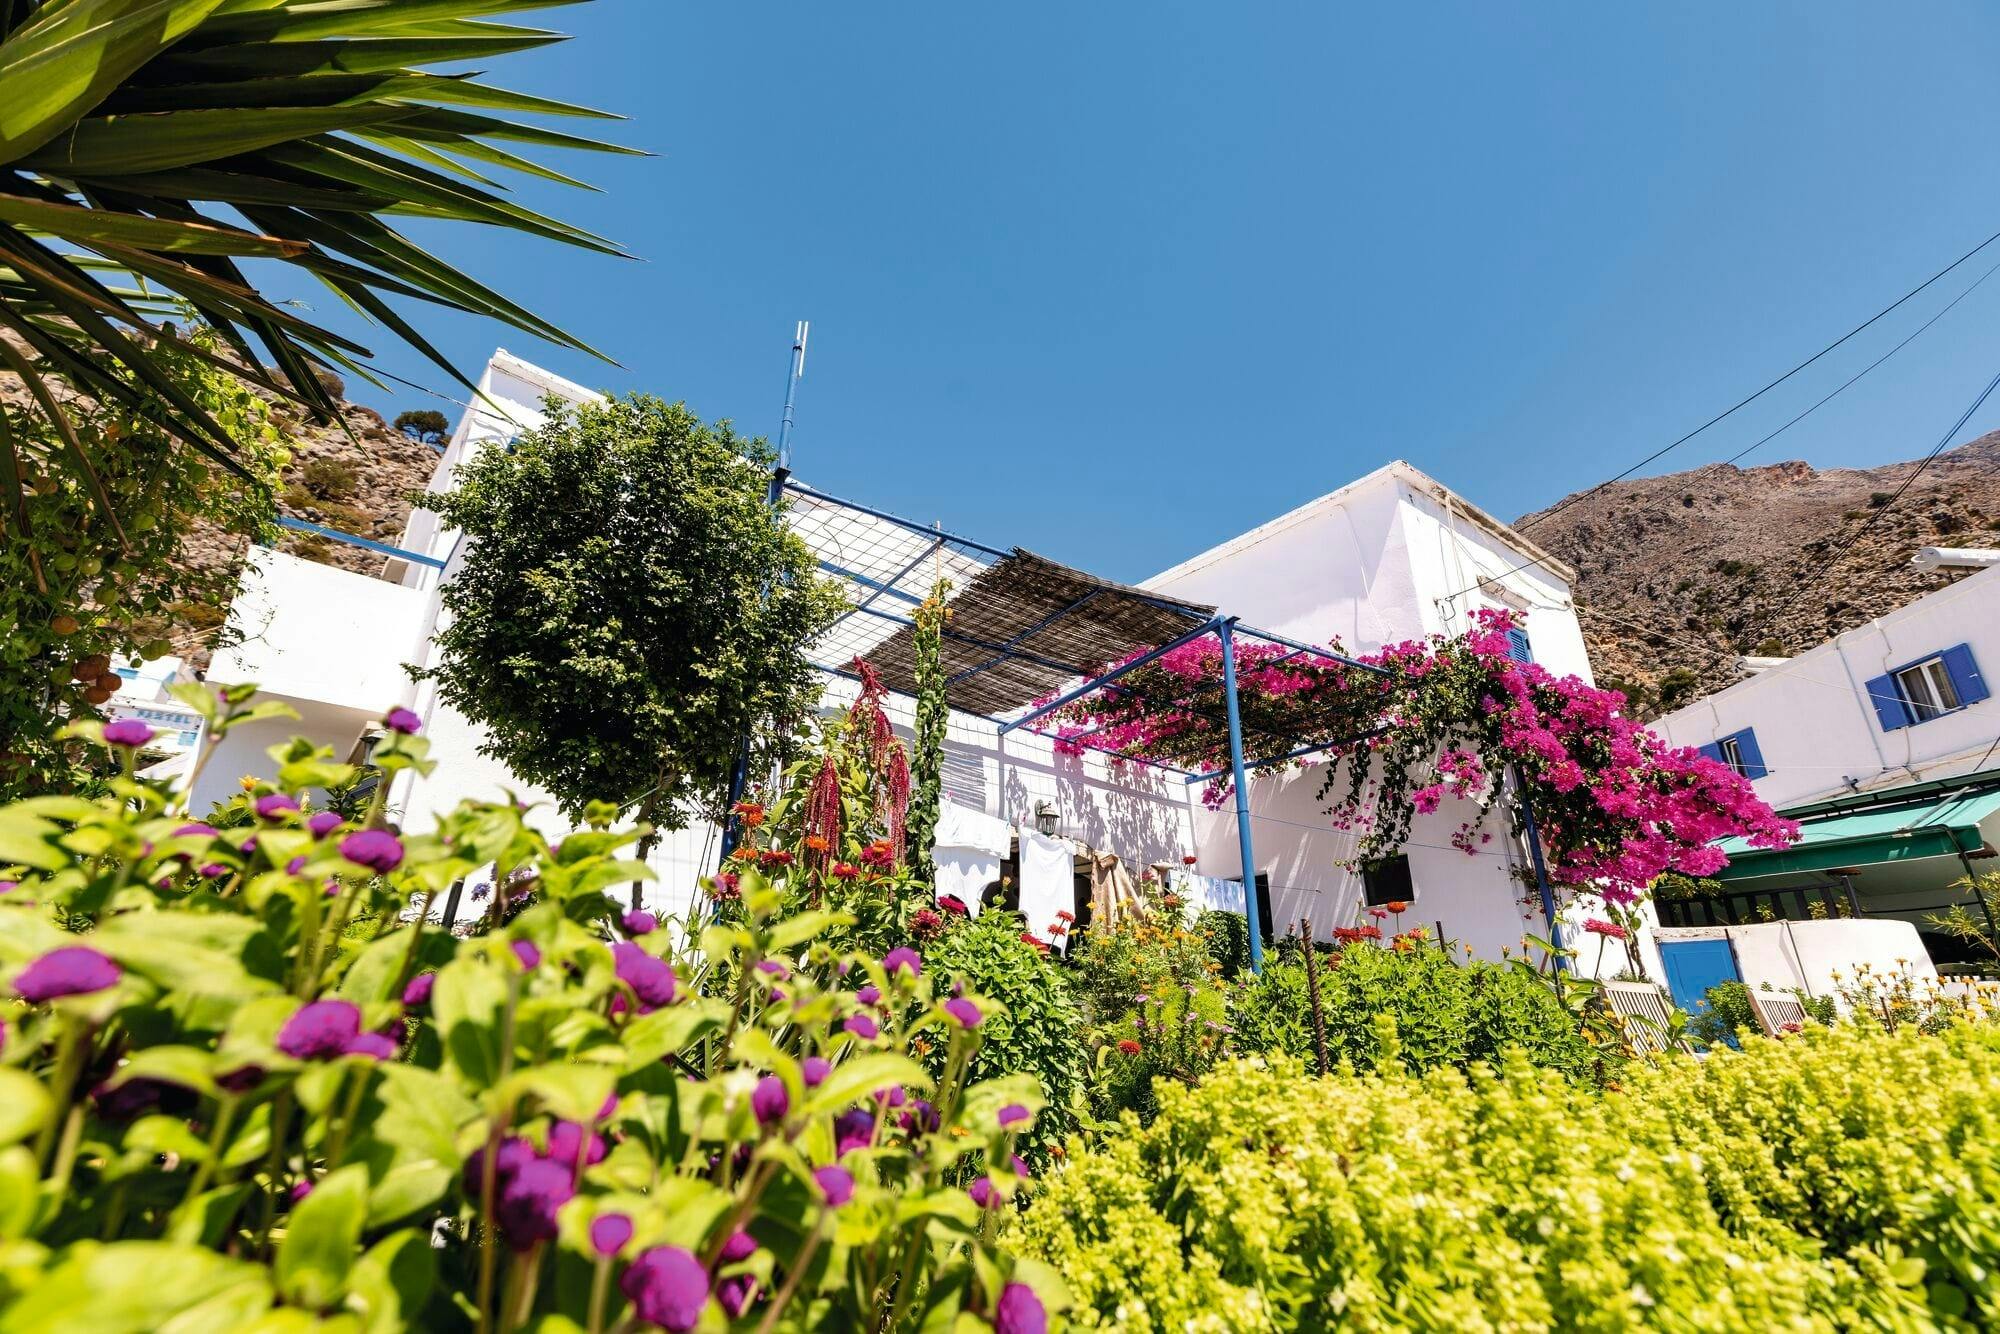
(1742, 403)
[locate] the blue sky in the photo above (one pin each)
(1115, 281)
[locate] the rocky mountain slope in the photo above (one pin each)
(1678, 575)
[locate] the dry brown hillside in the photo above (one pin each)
(1680, 574)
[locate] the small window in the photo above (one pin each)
(1740, 751)
(1732, 752)
(1927, 689)
(1518, 647)
(1265, 926)
(1387, 881)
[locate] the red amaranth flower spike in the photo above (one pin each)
(823, 812)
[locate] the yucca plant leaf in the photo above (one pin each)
(86, 226)
(349, 18)
(160, 140)
(65, 430)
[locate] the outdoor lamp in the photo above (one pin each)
(1047, 819)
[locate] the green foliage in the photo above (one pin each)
(1228, 937)
(1838, 1180)
(328, 478)
(1446, 1013)
(425, 424)
(1038, 1035)
(77, 588)
(629, 607)
(1726, 1016)
(933, 719)
(150, 148)
(173, 1156)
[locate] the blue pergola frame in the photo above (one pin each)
(1227, 630)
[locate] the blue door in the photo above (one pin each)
(1693, 966)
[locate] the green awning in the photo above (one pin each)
(1935, 826)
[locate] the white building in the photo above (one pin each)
(1882, 742)
(1392, 556)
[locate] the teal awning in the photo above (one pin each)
(1886, 830)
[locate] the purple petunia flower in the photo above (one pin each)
(275, 806)
(320, 1031)
(377, 849)
(836, 1185)
(814, 1069)
(862, 1027)
(964, 1011)
(127, 732)
(418, 993)
(668, 1287)
(609, 1233)
(652, 980)
(639, 923)
(73, 970)
(527, 953)
(403, 720)
(903, 957)
(527, 1206)
(567, 1139)
(323, 823)
(1013, 1114)
(770, 1100)
(869, 995)
(1019, 1311)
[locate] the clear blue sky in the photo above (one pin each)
(1114, 281)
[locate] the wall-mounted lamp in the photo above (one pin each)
(1047, 819)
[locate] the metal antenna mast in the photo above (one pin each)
(793, 374)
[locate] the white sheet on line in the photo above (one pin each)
(965, 872)
(1205, 892)
(963, 827)
(1048, 883)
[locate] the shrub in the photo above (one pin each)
(332, 478)
(221, 1108)
(1228, 937)
(1839, 1179)
(1446, 1013)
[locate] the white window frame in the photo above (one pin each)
(1926, 689)
(1731, 752)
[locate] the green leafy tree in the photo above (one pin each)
(425, 424)
(630, 606)
(75, 590)
(933, 717)
(147, 147)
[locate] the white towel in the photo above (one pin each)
(1202, 893)
(965, 872)
(963, 827)
(1048, 883)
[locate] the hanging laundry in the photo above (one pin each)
(1048, 882)
(1114, 895)
(964, 873)
(969, 847)
(1204, 893)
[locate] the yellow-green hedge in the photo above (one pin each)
(1838, 1178)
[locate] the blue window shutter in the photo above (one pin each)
(1713, 750)
(1518, 648)
(1753, 755)
(1888, 702)
(1964, 673)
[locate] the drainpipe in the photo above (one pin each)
(1869, 723)
(1541, 867)
(1245, 844)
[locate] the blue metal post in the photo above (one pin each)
(1541, 866)
(1245, 844)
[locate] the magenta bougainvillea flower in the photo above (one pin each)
(73, 970)
(127, 732)
(377, 849)
(667, 1287)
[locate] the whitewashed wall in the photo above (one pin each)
(1819, 733)
(1818, 957)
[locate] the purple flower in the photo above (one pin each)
(301, 1189)
(380, 1046)
(640, 923)
(922, 1118)
(129, 1100)
(869, 995)
(891, 1095)
(862, 1027)
(903, 957)
(275, 806)
(982, 1192)
(525, 951)
(214, 871)
(528, 1202)
(853, 1129)
(248, 845)
(652, 980)
(514, 1154)
(813, 1070)
(609, 1108)
(377, 849)
(320, 1031)
(773, 968)
(242, 1079)
(609, 1233)
(770, 1100)
(402, 720)
(1019, 1311)
(127, 732)
(1013, 1114)
(323, 823)
(295, 865)
(567, 1139)
(196, 830)
(740, 1247)
(1020, 1166)
(836, 1185)
(73, 970)
(964, 1011)
(668, 1287)
(418, 993)
(736, 1291)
